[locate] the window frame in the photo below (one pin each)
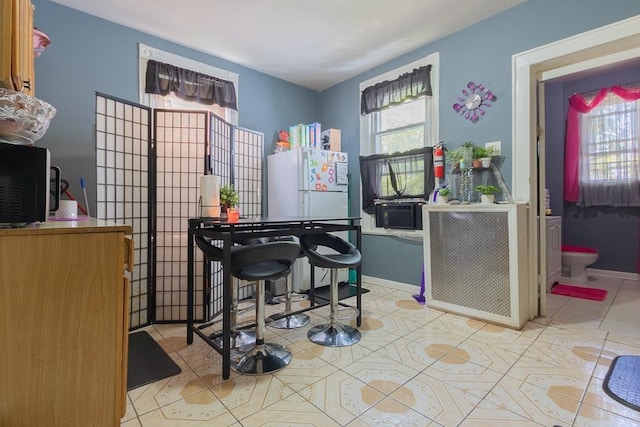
(432, 133)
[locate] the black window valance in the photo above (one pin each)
(407, 86)
(162, 79)
(396, 176)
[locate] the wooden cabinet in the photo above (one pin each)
(554, 249)
(16, 46)
(64, 323)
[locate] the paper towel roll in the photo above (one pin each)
(210, 196)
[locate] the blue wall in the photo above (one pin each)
(480, 53)
(88, 54)
(591, 227)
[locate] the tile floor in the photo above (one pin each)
(414, 366)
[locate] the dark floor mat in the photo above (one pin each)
(148, 362)
(622, 382)
(345, 290)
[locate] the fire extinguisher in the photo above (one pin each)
(438, 161)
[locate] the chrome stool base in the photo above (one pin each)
(241, 341)
(263, 359)
(337, 335)
(292, 321)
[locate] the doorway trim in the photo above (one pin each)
(605, 45)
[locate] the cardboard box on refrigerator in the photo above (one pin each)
(331, 140)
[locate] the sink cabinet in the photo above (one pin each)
(64, 323)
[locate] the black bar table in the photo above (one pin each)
(227, 232)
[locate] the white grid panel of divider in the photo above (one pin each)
(220, 164)
(181, 143)
(122, 177)
(248, 150)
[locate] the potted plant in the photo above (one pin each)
(229, 199)
(481, 157)
(487, 193)
(443, 195)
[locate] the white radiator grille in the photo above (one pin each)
(470, 260)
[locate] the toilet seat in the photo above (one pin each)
(569, 248)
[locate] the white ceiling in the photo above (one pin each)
(315, 44)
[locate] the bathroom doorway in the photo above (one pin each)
(611, 44)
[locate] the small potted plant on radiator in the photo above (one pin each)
(443, 195)
(487, 193)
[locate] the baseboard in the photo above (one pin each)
(390, 284)
(611, 273)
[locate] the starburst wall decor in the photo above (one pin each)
(473, 102)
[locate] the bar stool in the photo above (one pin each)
(333, 334)
(241, 340)
(268, 261)
(289, 321)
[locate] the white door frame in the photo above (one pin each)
(610, 44)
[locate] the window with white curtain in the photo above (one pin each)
(609, 168)
(171, 101)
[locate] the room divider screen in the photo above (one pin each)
(123, 136)
(148, 177)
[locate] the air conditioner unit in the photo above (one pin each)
(475, 261)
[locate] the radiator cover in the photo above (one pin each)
(475, 261)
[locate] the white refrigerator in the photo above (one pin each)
(309, 182)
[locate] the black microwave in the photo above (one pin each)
(25, 184)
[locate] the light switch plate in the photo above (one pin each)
(496, 145)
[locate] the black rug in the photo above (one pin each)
(148, 362)
(345, 291)
(622, 382)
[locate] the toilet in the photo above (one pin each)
(575, 259)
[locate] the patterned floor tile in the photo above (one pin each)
(489, 415)
(437, 400)
(304, 369)
(342, 397)
(390, 412)
(340, 356)
(160, 393)
(459, 325)
(200, 409)
(535, 403)
(245, 395)
(438, 368)
(588, 416)
(508, 339)
(381, 372)
(486, 354)
(596, 397)
(290, 411)
(463, 374)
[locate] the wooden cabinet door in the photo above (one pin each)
(16, 46)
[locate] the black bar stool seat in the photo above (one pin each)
(267, 261)
(343, 255)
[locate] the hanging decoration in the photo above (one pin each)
(473, 102)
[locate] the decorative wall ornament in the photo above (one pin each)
(471, 105)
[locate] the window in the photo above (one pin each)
(403, 127)
(609, 144)
(145, 53)
(602, 151)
